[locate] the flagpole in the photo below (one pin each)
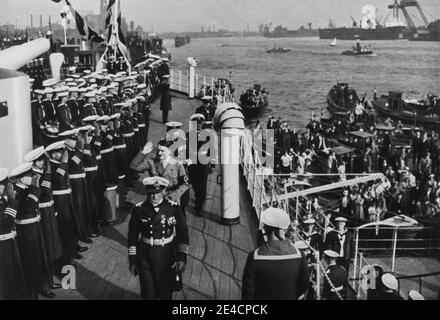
(115, 29)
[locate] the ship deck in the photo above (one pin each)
(217, 253)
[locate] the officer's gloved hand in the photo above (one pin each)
(147, 148)
(180, 266)
(134, 270)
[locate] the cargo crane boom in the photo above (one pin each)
(410, 3)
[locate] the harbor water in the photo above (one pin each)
(299, 80)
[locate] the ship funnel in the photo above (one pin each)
(229, 120)
(15, 57)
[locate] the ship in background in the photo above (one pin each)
(282, 32)
(369, 27)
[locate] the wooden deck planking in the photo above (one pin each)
(214, 267)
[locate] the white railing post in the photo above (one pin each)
(187, 82)
(172, 79)
(318, 276)
(393, 264)
(212, 89)
(356, 249)
(197, 84)
(180, 81)
(204, 85)
(360, 268)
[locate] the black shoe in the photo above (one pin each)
(94, 235)
(82, 249)
(55, 286)
(87, 240)
(77, 256)
(48, 294)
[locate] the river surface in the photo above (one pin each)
(299, 80)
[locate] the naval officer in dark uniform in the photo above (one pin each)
(158, 242)
(277, 270)
(198, 171)
(338, 277)
(12, 278)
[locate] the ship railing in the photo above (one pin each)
(179, 81)
(419, 277)
(360, 275)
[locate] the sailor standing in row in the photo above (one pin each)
(338, 277)
(12, 278)
(74, 107)
(63, 113)
(29, 237)
(48, 222)
(68, 223)
(38, 119)
(311, 236)
(159, 255)
(75, 147)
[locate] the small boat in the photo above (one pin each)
(278, 50)
(253, 104)
(392, 106)
(333, 43)
(223, 45)
(362, 53)
(341, 98)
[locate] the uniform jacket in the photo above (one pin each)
(275, 271)
(332, 242)
(168, 221)
(74, 110)
(50, 111)
(165, 97)
(64, 117)
(338, 276)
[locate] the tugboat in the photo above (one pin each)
(393, 106)
(278, 50)
(358, 50)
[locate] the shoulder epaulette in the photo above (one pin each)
(174, 203)
(139, 204)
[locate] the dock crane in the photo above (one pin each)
(354, 22)
(406, 4)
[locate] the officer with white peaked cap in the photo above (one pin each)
(158, 242)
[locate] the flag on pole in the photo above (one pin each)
(83, 28)
(109, 13)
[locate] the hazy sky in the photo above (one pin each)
(190, 15)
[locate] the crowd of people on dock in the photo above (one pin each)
(411, 168)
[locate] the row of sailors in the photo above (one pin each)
(71, 106)
(80, 180)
